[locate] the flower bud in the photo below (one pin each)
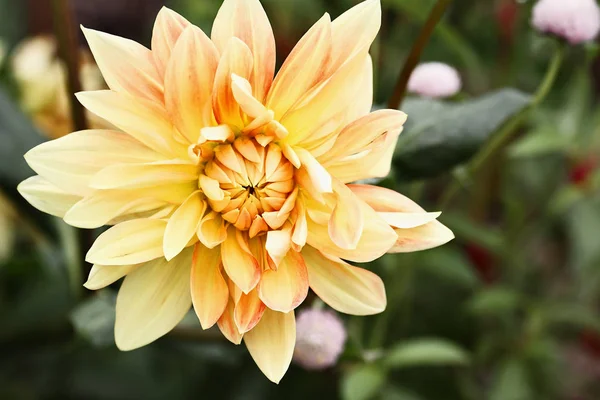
(435, 80)
(576, 21)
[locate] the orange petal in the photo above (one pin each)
(210, 294)
(248, 311)
(246, 20)
(189, 82)
(168, 26)
(347, 220)
(240, 265)
(271, 343)
(126, 66)
(212, 231)
(227, 324)
(286, 288)
(430, 235)
(345, 288)
(183, 224)
(304, 68)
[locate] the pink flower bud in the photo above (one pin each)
(320, 338)
(576, 21)
(435, 80)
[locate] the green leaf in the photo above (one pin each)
(363, 382)
(572, 315)
(426, 351)
(512, 382)
(451, 264)
(398, 393)
(540, 143)
(495, 301)
(467, 230)
(439, 136)
(94, 318)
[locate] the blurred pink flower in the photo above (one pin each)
(320, 338)
(576, 21)
(435, 80)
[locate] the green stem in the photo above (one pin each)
(506, 133)
(415, 53)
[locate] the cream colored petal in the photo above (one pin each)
(152, 301)
(70, 162)
(46, 197)
(286, 288)
(146, 121)
(238, 261)
(320, 178)
(247, 20)
(183, 224)
(249, 309)
(212, 231)
(103, 275)
(278, 244)
(430, 235)
(189, 80)
(242, 93)
(385, 200)
(144, 175)
(347, 220)
(167, 28)
(210, 294)
(130, 242)
(303, 69)
(126, 66)
(271, 343)
(345, 288)
(237, 59)
(408, 220)
(227, 324)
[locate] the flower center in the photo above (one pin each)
(251, 185)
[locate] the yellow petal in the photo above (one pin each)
(286, 288)
(249, 309)
(236, 59)
(271, 343)
(183, 224)
(408, 220)
(46, 197)
(242, 93)
(189, 82)
(130, 242)
(304, 68)
(144, 175)
(167, 28)
(146, 121)
(246, 20)
(103, 275)
(347, 220)
(211, 230)
(300, 227)
(385, 200)
(430, 235)
(210, 294)
(345, 288)
(126, 66)
(152, 300)
(240, 265)
(227, 324)
(278, 244)
(320, 178)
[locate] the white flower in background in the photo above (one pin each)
(435, 80)
(576, 21)
(320, 338)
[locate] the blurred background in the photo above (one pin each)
(507, 311)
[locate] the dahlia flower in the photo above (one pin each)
(226, 188)
(434, 80)
(576, 21)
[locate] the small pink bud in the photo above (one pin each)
(320, 338)
(435, 80)
(576, 21)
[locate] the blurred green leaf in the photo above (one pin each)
(540, 143)
(451, 264)
(512, 382)
(572, 315)
(94, 319)
(397, 393)
(467, 230)
(582, 220)
(426, 351)
(439, 136)
(495, 301)
(363, 382)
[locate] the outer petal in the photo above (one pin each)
(46, 197)
(303, 69)
(271, 343)
(227, 324)
(249, 309)
(127, 66)
(103, 275)
(167, 28)
(189, 82)
(347, 220)
(130, 242)
(385, 200)
(286, 288)
(144, 120)
(432, 234)
(320, 178)
(183, 224)
(132, 176)
(246, 20)
(210, 294)
(241, 266)
(152, 300)
(345, 288)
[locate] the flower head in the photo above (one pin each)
(320, 338)
(434, 80)
(576, 21)
(226, 186)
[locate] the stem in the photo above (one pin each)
(506, 133)
(415, 53)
